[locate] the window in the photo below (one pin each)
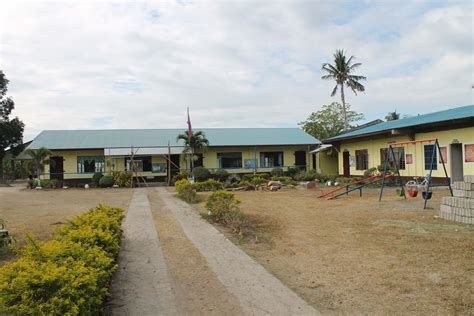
(229, 160)
(142, 164)
(159, 167)
(90, 164)
(398, 159)
(429, 151)
(362, 159)
(250, 163)
(271, 159)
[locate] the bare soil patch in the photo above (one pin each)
(40, 211)
(197, 288)
(355, 255)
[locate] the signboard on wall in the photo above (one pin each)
(352, 161)
(469, 153)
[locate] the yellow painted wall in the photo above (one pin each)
(445, 138)
(326, 162)
(249, 152)
(210, 160)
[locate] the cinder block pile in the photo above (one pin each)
(460, 207)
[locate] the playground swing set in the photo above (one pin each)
(413, 186)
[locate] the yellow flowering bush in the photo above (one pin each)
(186, 190)
(68, 275)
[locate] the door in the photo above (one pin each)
(457, 171)
(174, 164)
(56, 168)
(300, 159)
(345, 164)
(199, 160)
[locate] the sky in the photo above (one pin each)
(140, 64)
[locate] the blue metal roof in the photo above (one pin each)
(435, 117)
(120, 138)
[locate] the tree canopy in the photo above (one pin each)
(342, 73)
(392, 116)
(198, 141)
(328, 121)
(11, 130)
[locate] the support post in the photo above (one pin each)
(384, 174)
(444, 167)
(433, 155)
(398, 173)
(169, 164)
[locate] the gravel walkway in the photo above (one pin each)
(258, 292)
(141, 285)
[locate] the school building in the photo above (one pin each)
(365, 148)
(78, 154)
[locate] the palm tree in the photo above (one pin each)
(341, 72)
(198, 141)
(392, 116)
(39, 158)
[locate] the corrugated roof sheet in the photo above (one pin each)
(435, 117)
(116, 138)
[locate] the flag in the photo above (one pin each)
(190, 129)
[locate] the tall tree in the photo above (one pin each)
(39, 157)
(392, 116)
(328, 122)
(11, 130)
(341, 72)
(197, 140)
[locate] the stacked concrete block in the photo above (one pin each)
(460, 207)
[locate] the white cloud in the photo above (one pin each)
(140, 64)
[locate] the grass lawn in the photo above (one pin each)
(40, 211)
(355, 255)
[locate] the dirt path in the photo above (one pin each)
(141, 286)
(258, 292)
(197, 288)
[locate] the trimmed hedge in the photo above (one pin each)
(106, 182)
(68, 275)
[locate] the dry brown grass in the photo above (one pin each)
(40, 211)
(358, 256)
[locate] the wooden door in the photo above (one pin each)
(174, 164)
(300, 159)
(56, 168)
(346, 164)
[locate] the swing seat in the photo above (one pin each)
(412, 192)
(427, 195)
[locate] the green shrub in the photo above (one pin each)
(232, 185)
(186, 191)
(45, 183)
(223, 208)
(121, 178)
(96, 178)
(256, 181)
(51, 184)
(106, 182)
(283, 179)
(209, 185)
(31, 184)
(291, 171)
(250, 177)
(370, 172)
(5, 239)
(305, 176)
(180, 176)
(201, 174)
(221, 175)
(66, 275)
(277, 172)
